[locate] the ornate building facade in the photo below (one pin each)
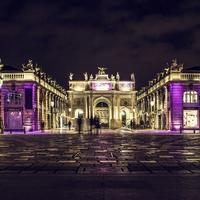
(29, 98)
(107, 97)
(171, 100)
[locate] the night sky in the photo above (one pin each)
(76, 36)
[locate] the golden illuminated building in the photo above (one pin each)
(104, 96)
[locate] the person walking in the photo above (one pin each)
(79, 122)
(132, 124)
(42, 126)
(1, 125)
(69, 125)
(97, 125)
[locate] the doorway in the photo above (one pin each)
(123, 117)
(102, 111)
(14, 120)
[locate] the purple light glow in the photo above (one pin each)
(21, 132)
(34, 97)
(101, 85)
(176, 100)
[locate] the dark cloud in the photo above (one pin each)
(79, 35)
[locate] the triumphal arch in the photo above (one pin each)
(103, 95)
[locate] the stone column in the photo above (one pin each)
(39, 114)
(47, 110)
(86, 107)
(166, 112)
(85, 120)
(113, 121)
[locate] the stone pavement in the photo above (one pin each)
(106, 166)
(100, 154)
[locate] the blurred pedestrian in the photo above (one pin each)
(1, 125)
(132, 124)
(42, 125)
(97, 125)
(69, 124)
(79, 122)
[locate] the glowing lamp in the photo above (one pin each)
(152, 103)
(52, 103)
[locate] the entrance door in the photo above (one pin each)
(123, 115)
(14, 120)
(102, 111)
(190, 118)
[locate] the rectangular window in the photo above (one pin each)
(190, 118)
(28, 98)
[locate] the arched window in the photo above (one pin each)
(190, 96)
(102, 104)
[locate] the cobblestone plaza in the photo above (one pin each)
(111, 165)
(117, 153)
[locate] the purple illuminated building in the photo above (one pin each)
(171, 100)
(30, 99)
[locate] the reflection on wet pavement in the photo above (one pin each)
(100, 154)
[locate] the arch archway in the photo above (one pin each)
(102, 109)
(126, 115)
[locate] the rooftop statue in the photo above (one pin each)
(166, 70)
(91, 77)
(117, 76)
(112, 77)
(175, 66)
(133, 77)
(150, 83)
(28, 66)
(71, 76)
(101, 70)
(37, 68)
(86, 76)
(174, 62)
